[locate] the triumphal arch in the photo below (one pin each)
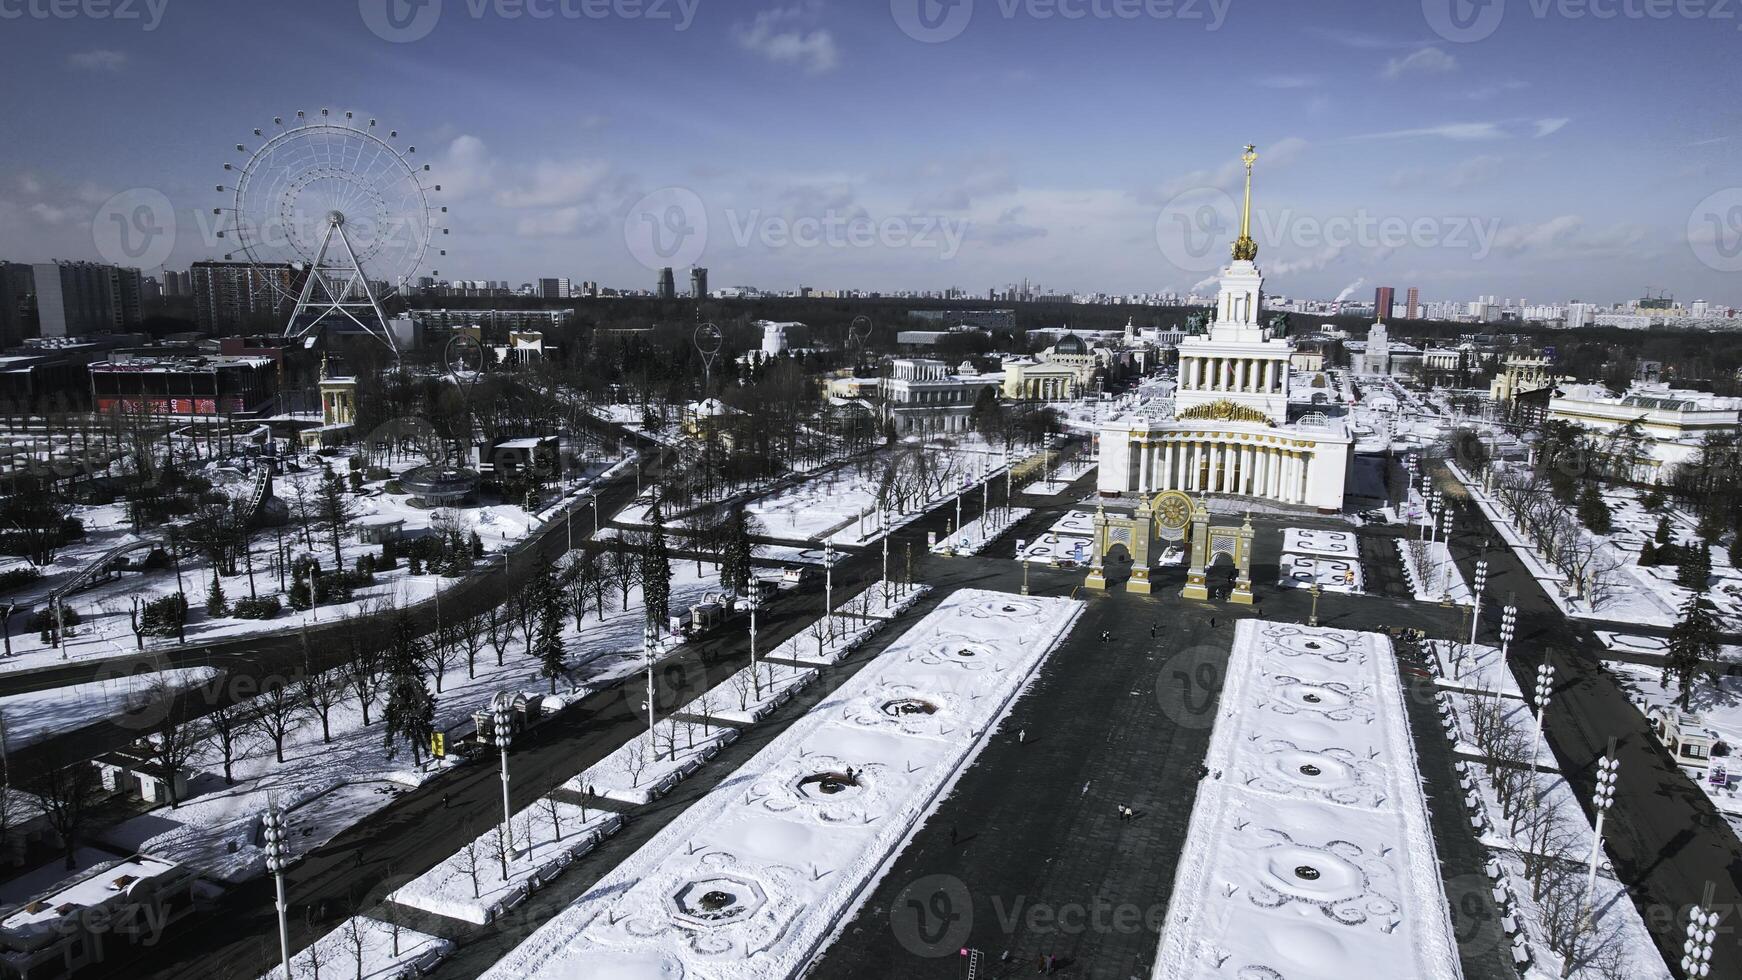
(1172, 518)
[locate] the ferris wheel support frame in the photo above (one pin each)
(335, 301)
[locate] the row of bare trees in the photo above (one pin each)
(1589, 562)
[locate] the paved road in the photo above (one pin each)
(1663, 834)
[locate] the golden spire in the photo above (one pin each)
(1245, 249)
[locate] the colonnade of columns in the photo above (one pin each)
(1259, 375)
(1205, 466)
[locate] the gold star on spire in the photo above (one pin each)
(1245, 249)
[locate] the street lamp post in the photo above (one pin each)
(1697, 950)
(502, 732)
(1445, 573)
(1476, 599)
(648, 639)
(755, 674)
(273, 825)
(1508, 627)
(1544, 692)
(1608, 770)
(595, 497)
(886, 562)
(829, 585)
(1316, 591)
(1025, 576)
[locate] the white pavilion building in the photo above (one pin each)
(1230, 432)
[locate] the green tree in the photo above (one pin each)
(656, 567)
(735, 558)
(1692, 642)
(1696, 567)
(548, 599)
(410, 711)
(1665, 534)
(216, 604)
(1653, 500)
(1594, 510)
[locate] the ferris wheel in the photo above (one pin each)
(334, 217)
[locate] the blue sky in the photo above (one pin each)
(1559, 155)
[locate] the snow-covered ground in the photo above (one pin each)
(1068, 540)
(748, 883)
(1471, 667)
(1313, 541)
(1656, 646)
(326, 787)
(642, 770)
(1331, 574)
(1309, 853)
(1061, 478)
(980, 532)
(545, 838)
(1433, 575)
(362, 948)
(30, 718)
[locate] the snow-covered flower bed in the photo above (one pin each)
(1314, 541)
(749, 882)
(362, 948)
(737, 698)
(546, 837)
(824, 643)
(1471, 666)
(1433, 575)
(893, 601)
(642, 770)
(1309, 852)
(1068, 540)
(1331, 574)
(975, 535)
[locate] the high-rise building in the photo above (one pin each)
(77, 299)
(177, 284)
(667, 284)
(229, 294)
(553, 289)
(1382, 298)
(1412, 305)
(698, 282)
(17, 304)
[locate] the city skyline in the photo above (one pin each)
(1389, 152)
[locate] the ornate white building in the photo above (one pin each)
(1229, 432)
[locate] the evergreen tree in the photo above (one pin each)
(1654, 499)
(410, 711)
(1736, 551)
(1647, 554)
(1664, 533)
(550, 634)
(216, 604)
(656, 568)
(1696, 567)
(1594, 510)
(735, 559)
(1693, 640)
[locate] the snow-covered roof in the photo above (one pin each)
(104, 883)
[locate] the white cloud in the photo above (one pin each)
(99, 59)
(1548, 127)
(784, 35)
(1450, 131)
(1427, 61)
(466, 169)
(553, 184)
(1227, 176)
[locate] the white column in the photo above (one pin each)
(1143, 466)
(1166, 466)
(1264, 376)
(1305, 473)
(1295, 493)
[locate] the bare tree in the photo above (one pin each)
(743, 684)
(277, 711)
(467, 860)
(226, 727)
(323, 691)
(357, 938)
(469, 633)
(707, 703)
(553, 808)
(500, 847)
(623, 568)
(175, 739)
(439, 652)
(363, 676)
(499, 627)
(667, 733)
(634, 764)
(68, 792)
